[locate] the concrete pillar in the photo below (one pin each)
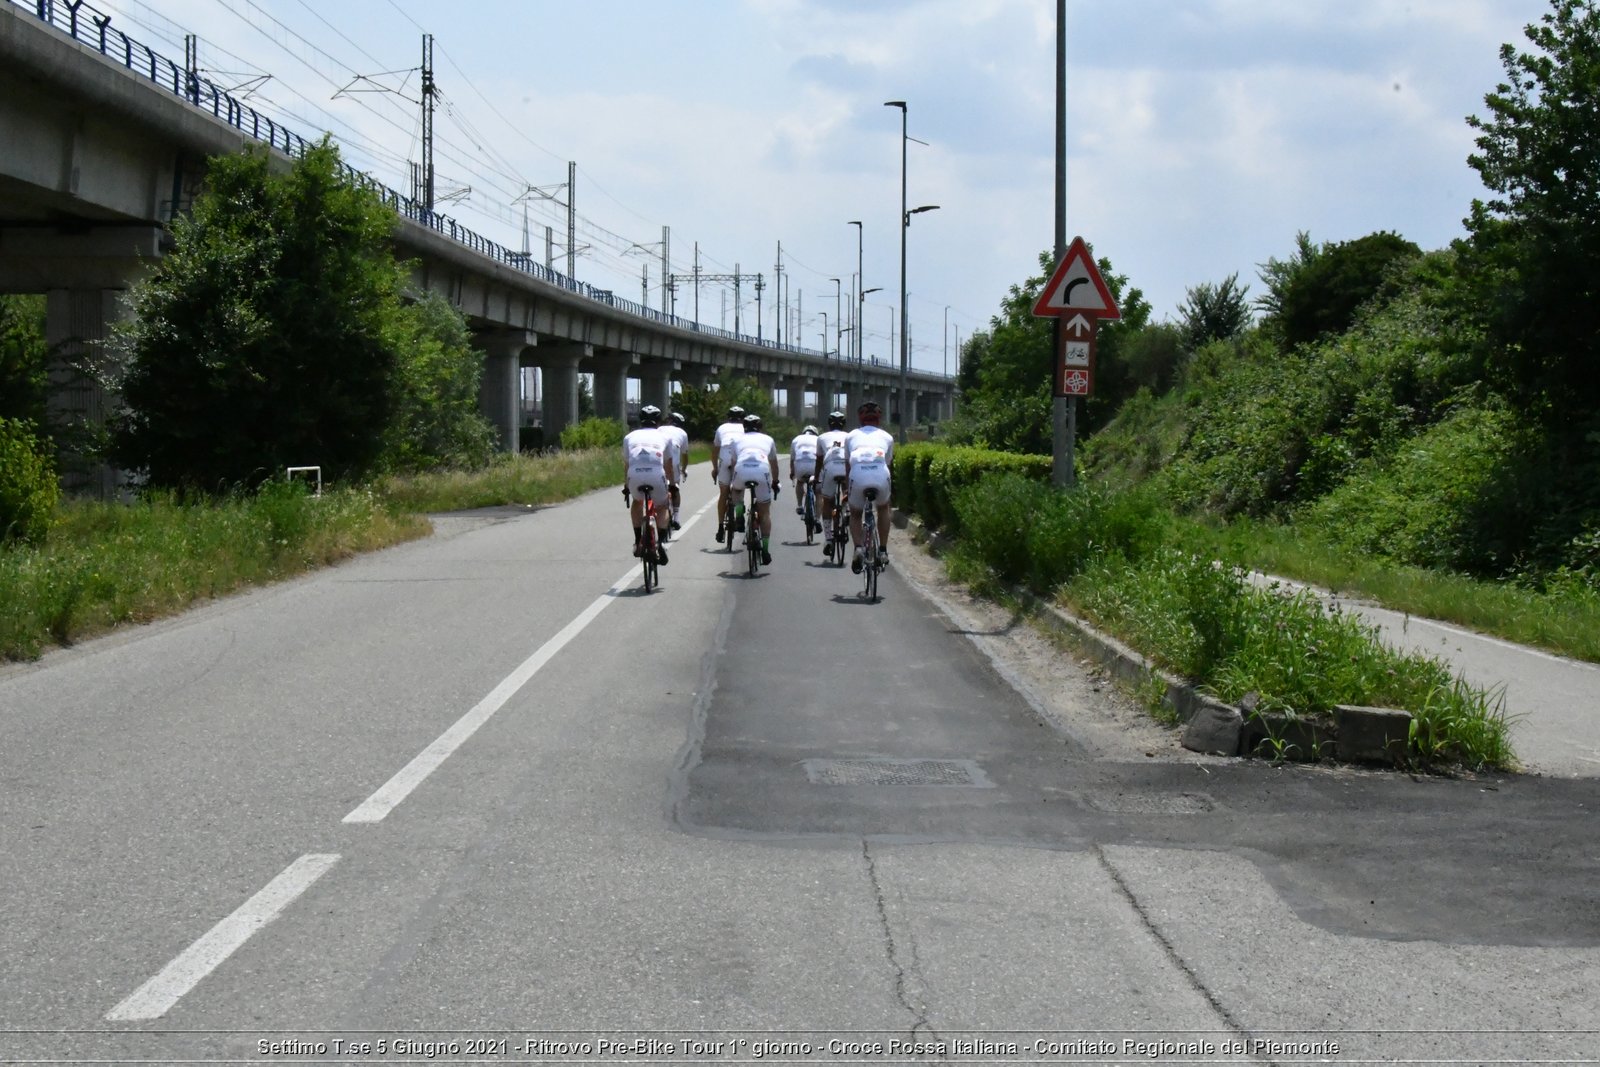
(655, 383)
(78, 322)
(558, 365)
(500, 389)
(795, 409)
(610, 370)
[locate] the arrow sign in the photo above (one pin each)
(1079, 325)
(1076, 288)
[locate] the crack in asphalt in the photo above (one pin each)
(903, 970)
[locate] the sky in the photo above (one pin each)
(1202, 135)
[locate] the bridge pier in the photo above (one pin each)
(558, 365)
(655, 384)
(78, 323)
(610, 370)
(795, 393)
(500, 389)
(694, 375)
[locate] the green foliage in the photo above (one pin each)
(1279, 275)
(270, 335)
(28, 489)
(928, 475)
(23, 358)
(436, 421)
(1214, 312)
(704, 409)
(1447, 498)
(1007, 373)
(593, 433)
(1323, 296)
(1535, 246)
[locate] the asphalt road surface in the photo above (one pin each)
(479, 798)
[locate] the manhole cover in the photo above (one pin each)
(1151, 803)
(945, 772)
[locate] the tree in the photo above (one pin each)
(704, 409)
(270, 335)
(436, 417)
(1323, 296)
(1279, 274)
(1214, 312)
(23, 359)
(1535, 246)
(1011, 368)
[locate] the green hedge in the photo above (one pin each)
(927, 477)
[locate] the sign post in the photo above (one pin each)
(1077, 297)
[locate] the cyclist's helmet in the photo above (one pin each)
(752, 421)
(869, 413)
(736, 413)
(836, 420)
(649, 415)
(812, 430)
(677, 418)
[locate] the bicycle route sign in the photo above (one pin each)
(1077, 297)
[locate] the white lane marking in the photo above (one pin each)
(396, 789)
(153, 999)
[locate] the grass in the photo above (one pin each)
(1129, 567)
(105, 565)
(1566, 622)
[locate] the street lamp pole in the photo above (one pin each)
(861, 282)
(905, 224)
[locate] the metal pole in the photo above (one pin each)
(1066, 408)
(905, 224)
(666, 263)
(572, 221)
(697, 282)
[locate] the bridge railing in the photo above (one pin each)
(91, 27)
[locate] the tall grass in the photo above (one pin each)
(106, 564)
(1121, 560)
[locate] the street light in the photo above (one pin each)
(904, 225)
(861, 279)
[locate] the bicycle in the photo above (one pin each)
(869, 556)
(649, 540)
(808, 509)
(752, 529)
(841, 521)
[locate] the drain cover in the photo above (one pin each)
(942, 772)
(1151, 803)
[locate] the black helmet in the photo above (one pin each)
(869, 412)
(835, 420)
(649, 415)
(752, 421)
(677, 418)
(812, 430)
(735, 413)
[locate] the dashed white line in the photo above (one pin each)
(396, 789)
(153, 999)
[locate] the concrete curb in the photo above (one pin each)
(1352, 734)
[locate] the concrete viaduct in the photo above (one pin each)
(106, 140)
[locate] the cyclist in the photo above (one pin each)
(649, 460)
(756, 460)
(678, 438)
(830, 469)
(803, 468)
(722, 464)
(868, 454)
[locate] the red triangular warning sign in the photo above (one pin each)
(1076, 288)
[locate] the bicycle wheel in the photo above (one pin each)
(871, 571)
(752, 533)
(869, 554)
(810, 513)
(652, 576)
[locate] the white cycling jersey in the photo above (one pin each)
(803, 454)
(721, 455)
(830, 446)
(871, 451)
(755, 458)
(678, 438)
(645, 453)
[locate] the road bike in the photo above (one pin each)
(869, 555)
(808, 509)
(752, 529)
(649, 540)
(841, 521)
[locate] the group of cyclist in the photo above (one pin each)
(656, 457)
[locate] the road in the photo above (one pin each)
(480, 788)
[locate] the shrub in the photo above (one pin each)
(28, 489)
(593, 433)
